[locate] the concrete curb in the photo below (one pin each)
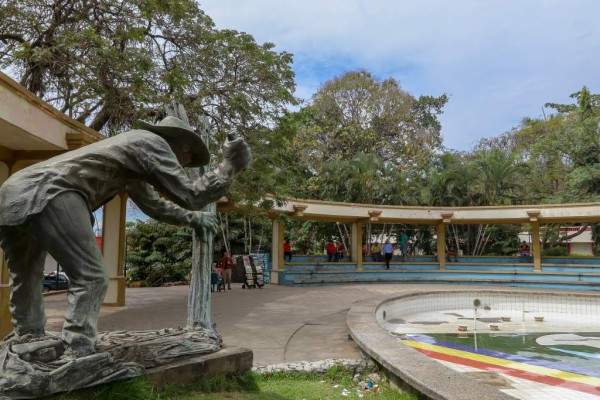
(406, 364)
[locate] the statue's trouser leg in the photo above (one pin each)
(65, 230)
(25, 260)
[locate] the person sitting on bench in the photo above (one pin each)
(452, 252)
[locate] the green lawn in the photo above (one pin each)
(250, 386)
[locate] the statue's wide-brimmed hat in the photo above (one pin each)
(174, 130)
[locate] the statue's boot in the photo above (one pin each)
(44, 349)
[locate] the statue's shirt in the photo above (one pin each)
(100, 170)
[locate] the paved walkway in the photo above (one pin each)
(280, 324)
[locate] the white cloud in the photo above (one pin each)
(499, 60)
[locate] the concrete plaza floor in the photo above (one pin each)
(280, 324)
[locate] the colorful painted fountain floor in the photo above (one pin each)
(529, 348)
(559, 371)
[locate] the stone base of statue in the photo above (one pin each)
(33, 367)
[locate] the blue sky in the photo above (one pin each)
(498, 60)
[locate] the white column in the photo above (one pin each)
(441, 245)
(356, 245)
(536, 248)
(113, 249)
(276, 250)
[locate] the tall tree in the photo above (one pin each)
(501, 177)
(445, 182)
(356, 113)
(109, 62)
(572, 144)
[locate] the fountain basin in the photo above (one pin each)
(383, 328)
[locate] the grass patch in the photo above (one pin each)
(286, 385)
(239, 383)
(252, 386)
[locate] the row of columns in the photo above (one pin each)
(356, 246)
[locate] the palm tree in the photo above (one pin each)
(501, 179)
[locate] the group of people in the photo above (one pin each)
(386, 252)
(221, 273)
(525, 255)
(335, 251)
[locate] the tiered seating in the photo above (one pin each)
(558, 273)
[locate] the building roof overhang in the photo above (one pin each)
(32, 129)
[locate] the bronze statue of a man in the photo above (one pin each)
(47, 208)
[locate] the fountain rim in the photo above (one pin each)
(407, 366)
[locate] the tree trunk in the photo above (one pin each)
(245, 237)
(571, 236)
(249, 235)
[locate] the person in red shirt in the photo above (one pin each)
(227, 264)
(341, 250)
(287, 250)
(330, 249)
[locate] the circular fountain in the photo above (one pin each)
(463, 344)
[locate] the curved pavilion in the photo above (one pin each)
(437, 217)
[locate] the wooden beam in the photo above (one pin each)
(80, 139)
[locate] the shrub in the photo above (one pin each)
(555, 252)
(158, 253)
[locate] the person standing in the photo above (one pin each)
(404, 244)
(287, 250)
(226, 263)
(388, 253)
(330, 249)
(341, 249)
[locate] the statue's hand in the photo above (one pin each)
(207, 221)
(236, 155)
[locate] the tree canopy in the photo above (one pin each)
(108, 62)
(358, 113)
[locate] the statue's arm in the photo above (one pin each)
(151, 204)
(169, 178)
